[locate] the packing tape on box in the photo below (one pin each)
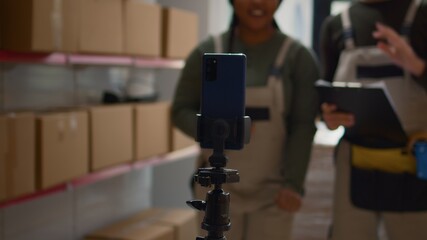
(74, 123)
(61, 129)
(66, 125)
(56, 21)
(11, 158)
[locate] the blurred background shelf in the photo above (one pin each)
(88, 59)
(41, 58)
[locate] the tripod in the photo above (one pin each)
(216, 220)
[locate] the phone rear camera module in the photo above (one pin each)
(211, 69)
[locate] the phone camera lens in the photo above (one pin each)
(211, 69)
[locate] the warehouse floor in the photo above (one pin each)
(312, 222)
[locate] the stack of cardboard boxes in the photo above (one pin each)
(41, 150)
(128, 27)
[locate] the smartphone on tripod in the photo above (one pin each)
(223, 97)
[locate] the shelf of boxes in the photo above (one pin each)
(104, 174)
(126, 45)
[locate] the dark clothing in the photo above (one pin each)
(366, 196)
(363, 17)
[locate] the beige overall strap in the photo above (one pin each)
(281, 56)
(347, 29)
(406, 26)
(218, 44)
(274, 80)
(409, 18)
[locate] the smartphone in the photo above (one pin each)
(223, 96)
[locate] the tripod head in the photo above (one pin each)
(216, 206)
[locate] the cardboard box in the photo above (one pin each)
(142, 28)
(42, 26)
(152, 133)
(134, 232)
(180, 140)
(111, 135)
(180, 224)
(62, 147)
(179, 34)
(137, 227)
(17, 155)
(92, 26)
(101, 26)
(184, 221)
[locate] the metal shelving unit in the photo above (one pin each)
(88, 59)
(71, 59)
(102, 175)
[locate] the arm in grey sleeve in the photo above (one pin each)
(300, 120)
(186, 102)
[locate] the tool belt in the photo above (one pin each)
(385, 180)
(391, 160)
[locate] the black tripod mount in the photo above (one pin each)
(216, 207)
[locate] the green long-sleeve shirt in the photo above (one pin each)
(299, 72)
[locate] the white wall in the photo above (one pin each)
(295, 17)
(337, 7)
(219, 16)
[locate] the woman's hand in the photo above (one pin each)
(333, 119)
(398, 49)
(288, 200)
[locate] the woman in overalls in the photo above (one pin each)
(375, 180)
(280, 77)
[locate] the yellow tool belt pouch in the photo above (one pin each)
(390, 160)
(385, 180)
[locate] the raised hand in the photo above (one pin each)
(398, 49)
